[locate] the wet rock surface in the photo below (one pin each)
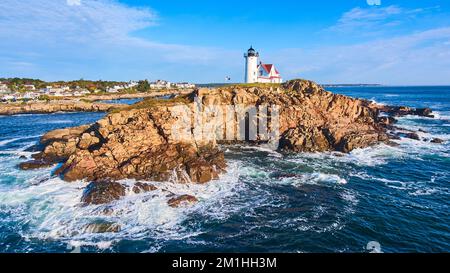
(140, 187)
(437, 141)
(102, 192)
(182, 200)
(413, 135)
(34, 164)
(101, 227)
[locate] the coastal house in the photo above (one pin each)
(160, 84)
(114, 89)
(4, 88)
(47, 89)
(83, 91)
(30, 96)
(258, 72)
(29, 87)
(8, 97)
(51, 89)
(184, 85)
(132, 84)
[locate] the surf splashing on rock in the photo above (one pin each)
(56, 213)
(267, 201)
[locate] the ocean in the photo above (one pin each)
(396, 198)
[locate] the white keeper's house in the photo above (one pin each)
(257, 72)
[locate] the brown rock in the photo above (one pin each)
(87, 140)
(34, 164)
(304, 140)
(63, 134)
(403, 111)
(387, 120)
(101, 227)
(138, 141)
(437, 141)
(424, 112)
(102, 192)
(182, 200)
(414, 136)
(200, 171)
(357, 140)
(140, 187)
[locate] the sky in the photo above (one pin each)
(347, 41)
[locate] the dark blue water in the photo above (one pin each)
(324, 202)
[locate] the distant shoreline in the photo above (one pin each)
(353, 85)
(213, 85)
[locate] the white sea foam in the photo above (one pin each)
(55, 212)
(65, 121)
(370, 156)
(350, 196)
(442, 115)
(376, 102)
(414, 188)
(11, 140)
(263, 148)
(421, 192)
(416, 149)
(318, 177)
(16, 153)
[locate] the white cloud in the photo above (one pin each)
(419, 58)
(375, 19)
(100, 32)
(101, 19)
(73, 2)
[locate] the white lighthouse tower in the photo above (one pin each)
(251, 66)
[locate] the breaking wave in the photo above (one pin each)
(55, 211)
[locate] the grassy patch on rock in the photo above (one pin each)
(259, 85)
(154, 102)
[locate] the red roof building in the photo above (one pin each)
(267, 73)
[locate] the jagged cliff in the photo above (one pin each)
(139, 141)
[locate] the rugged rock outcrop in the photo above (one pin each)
(134, 143)
(145, 141)
(400, 111)
(310, 118)
(56, 106)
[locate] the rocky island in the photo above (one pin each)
(138, 141)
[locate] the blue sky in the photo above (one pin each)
(397, 42)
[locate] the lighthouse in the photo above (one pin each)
(251, 66)
(256, 71)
